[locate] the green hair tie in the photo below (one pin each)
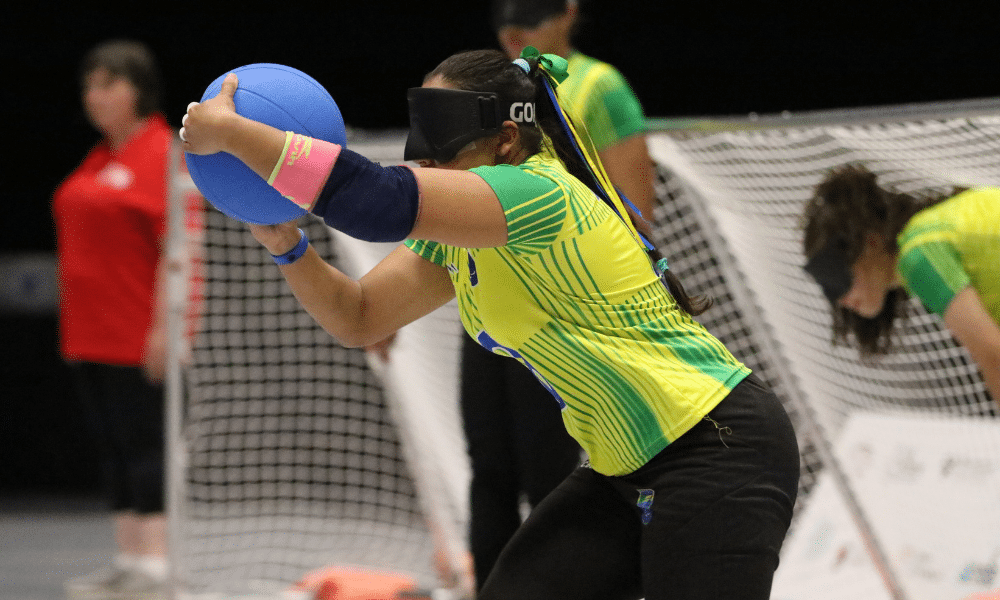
(553, 64)
(661, 265)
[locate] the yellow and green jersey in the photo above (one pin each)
(951, 245)
(572, 296)
(598, 95)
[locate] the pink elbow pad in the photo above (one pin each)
(303, 168)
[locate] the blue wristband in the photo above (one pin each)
(295, 253)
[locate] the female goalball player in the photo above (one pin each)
(693, 464)
(869, 247)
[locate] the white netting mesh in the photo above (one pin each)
(291, 459)
(290, 455)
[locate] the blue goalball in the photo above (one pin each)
(282, 97)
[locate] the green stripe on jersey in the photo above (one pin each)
(575, 297)
(951, 245)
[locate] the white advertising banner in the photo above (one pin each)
(930, 487)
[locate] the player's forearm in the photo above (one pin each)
(975, 328)
(991, 377)
(333, 299)
(154, 348)
(257, 145)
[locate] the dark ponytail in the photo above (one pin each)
(492, 71)
(549, 121)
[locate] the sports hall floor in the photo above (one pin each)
(46, 539)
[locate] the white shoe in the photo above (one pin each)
(114, 583)
(92, 584)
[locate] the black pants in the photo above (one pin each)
(517, 445)
(125, 412)
(704, 519)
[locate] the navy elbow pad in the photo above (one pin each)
(368, 201)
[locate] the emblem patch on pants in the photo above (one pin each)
(645, 504)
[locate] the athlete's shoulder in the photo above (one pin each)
(151, 144)
(539, 172)
(984, 201)
(157, 128)
(582, 66)
(585, 62)
(970, 208)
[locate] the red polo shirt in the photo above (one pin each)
(110, 215)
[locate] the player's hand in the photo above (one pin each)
(278, 239)
(206, 125)
(154, 355)
(381, 348)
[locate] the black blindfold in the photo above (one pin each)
(831, 268)
(443, 121)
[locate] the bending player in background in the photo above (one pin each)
(693, 465)
(110, 216)
(868, 247)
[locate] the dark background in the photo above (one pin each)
(682, 58)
